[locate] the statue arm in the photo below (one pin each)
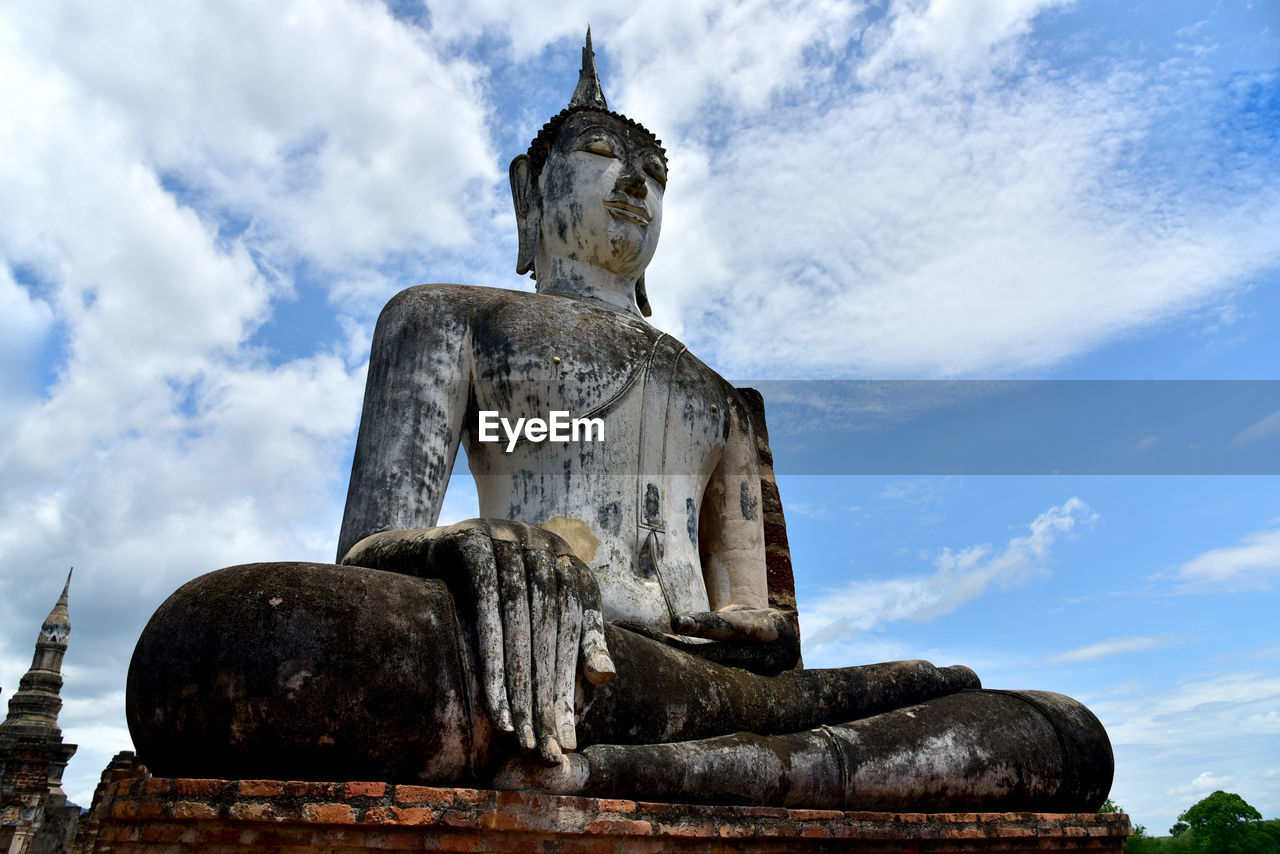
(731, 529)
(731, 542)
(414, 410)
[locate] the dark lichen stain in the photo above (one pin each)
(652, 505)
(691, 521)
(644, 565)
(749, 502)
(610, 518)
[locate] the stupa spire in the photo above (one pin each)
(36, 703)
(588, 92)
(33, 755)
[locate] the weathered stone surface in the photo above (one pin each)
(329, 672)
(323, 672)
(974, 750)
(418, 818)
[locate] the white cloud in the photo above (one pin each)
(1180, 716)
(1260, 430)
(1104, 649)
(320, 122)
(1268, 722)
(1204, 783)
(1253, 564)
(959, 576)
(952, 37)
(946, 223)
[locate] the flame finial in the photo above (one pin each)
(588, 93)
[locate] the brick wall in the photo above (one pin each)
(169, 816)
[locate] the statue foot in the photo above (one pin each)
(525, 774)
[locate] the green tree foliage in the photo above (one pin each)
(1224, 823)
(1110, 806)
(1179, 829)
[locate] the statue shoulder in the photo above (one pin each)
(436, 299)
(435, 310)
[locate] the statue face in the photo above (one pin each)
(601, 194)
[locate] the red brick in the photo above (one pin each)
(396, 841)
(730, 831)
(503, 821)
(413, 815)
(469, 842)
(814, 815)
(246, 811)
(328, 813)
(619, 827)
(455, 818)
(125, 809)
(128, 833)
(302, 789)
(150, 810)
(613, 805)
(261, 788)
(696, 830)
(154, 786)
(815, 833)
(198, 787)
(193, 810)
(364, 790)
(848, 832)
(424, 795)
(376, 814)
(159, 832)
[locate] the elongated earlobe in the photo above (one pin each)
(527, 214)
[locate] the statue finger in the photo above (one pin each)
(567, 650)
(476, 553)
(544, 616)
(597, 664)
(514, 592)
(754, 625)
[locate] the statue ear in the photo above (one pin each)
(642, 298)
(523, 194)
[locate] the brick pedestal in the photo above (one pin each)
(168, 816)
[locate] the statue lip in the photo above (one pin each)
(627, 211)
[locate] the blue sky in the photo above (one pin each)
(206, 204)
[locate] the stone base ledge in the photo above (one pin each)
(167, 816)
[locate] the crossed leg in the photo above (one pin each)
(311, 671)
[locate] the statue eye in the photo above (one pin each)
(655, 170)
(598, 145)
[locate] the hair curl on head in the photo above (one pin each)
(540, 148)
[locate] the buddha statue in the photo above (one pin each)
(605, 627)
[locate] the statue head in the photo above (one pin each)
(589, 190)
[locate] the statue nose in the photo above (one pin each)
(633, 184)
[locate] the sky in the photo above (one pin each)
(206, 204)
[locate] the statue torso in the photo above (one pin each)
(665, 421)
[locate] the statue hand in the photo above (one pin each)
(735, 623)
(537, 609)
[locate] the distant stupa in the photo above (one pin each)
(32, 754)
